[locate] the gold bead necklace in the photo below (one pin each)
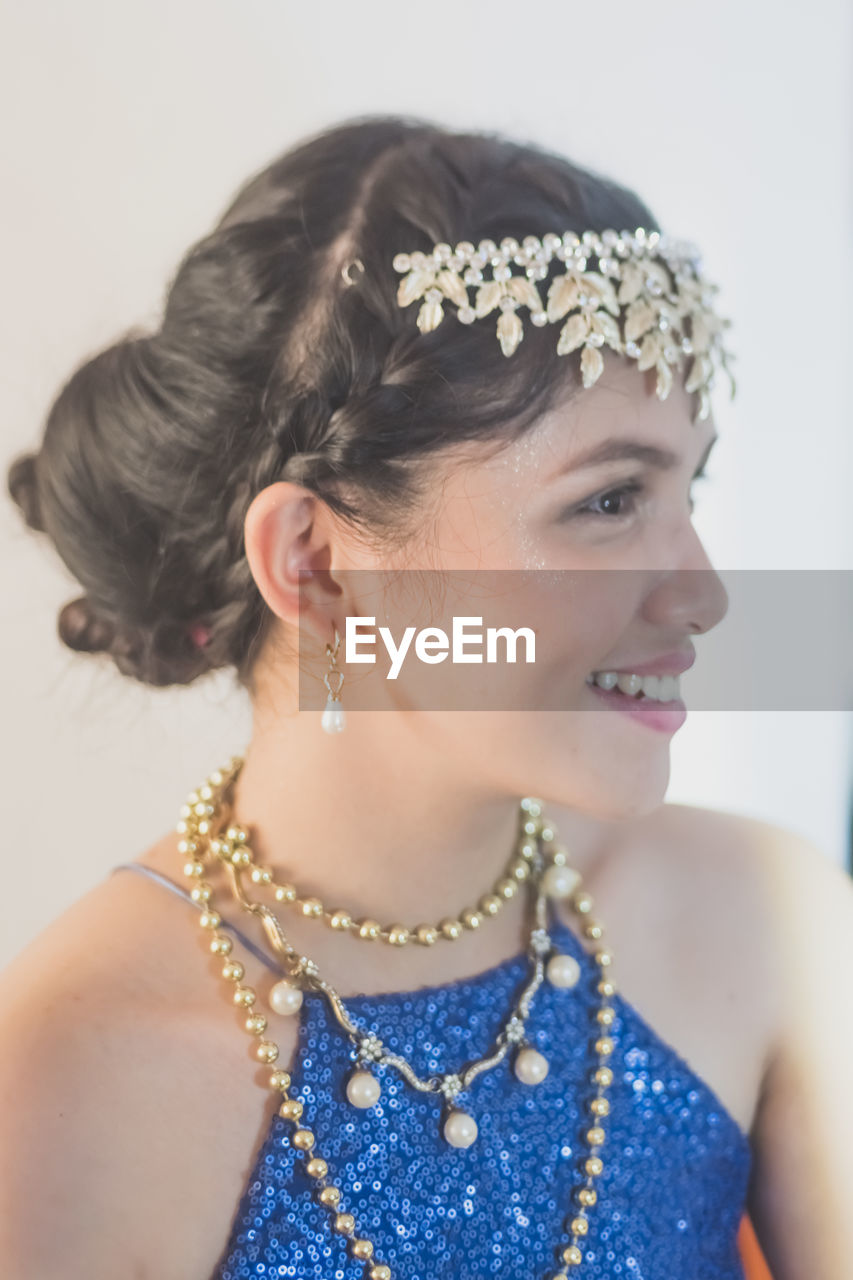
(202, 820)
(235, 841)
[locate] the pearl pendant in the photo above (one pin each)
(559, 882)
(460, 1129)
(363, 1089)
(562, 971)
(285, 998)
(334, 718)
(531, 1066)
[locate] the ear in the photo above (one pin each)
(286, 533)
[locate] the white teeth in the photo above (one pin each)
(657, 688)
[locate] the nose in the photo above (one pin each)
(691, 597)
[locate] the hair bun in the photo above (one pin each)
(22, 484)
(81, 629)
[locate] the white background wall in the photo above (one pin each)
(126, 128)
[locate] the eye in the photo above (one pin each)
(620, 502)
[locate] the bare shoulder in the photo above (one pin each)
(696, 904)
(743, 882)
(802, 901)
(136, 1098)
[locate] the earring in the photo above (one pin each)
(334, 719)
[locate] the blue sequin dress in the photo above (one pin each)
(676, 1163)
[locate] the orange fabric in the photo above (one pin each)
(754, 1262)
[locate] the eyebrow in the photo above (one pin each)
(616, 450)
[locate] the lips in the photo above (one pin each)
(671, 663)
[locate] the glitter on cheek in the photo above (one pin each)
(670, 1197)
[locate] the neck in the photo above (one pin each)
(380, 826)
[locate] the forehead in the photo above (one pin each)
(623, 403)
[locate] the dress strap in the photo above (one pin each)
(181, 892)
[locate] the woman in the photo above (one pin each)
(306, 424)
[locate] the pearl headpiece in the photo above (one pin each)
(648, 281)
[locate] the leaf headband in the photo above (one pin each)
(649, 281)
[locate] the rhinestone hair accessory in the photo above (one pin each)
(646, 298)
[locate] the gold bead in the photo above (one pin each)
(316, 1167)
(362, 1249)
(379, 1272)
(471, 919)
(330, 1196)
(344, 1223)
(506, 888)
(285, 893)
(605, 1016)
(602, 956)
(582, 902)
(604, 1045)
(256, 1024)
(595, 1135)
(280, 1079)
(368, 929)
(261, 875)
(600, 1106)
(587, 1196)
(572, 1255)
(528, 850)
(241, 857)
(490, 904)
(579, 1226)
(194, 868)
(210, 919)
(290, 1109)
(266, 1051)
(605, 987)
(233, 970)
(603, 1076)
(450, 928)
(593, 1165)
(340, 920)
(303, 1139)
(220, 945)
(245, 996)
(426, 934)
(398, 935)
(312, 907)
(520, 870)
(593, 929)
(201, 892)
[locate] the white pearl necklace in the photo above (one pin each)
(201, 818)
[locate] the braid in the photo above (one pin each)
(272, 364)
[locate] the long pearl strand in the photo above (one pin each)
(200, 819)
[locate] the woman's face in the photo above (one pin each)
(623, 529)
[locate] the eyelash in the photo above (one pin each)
(632, 488)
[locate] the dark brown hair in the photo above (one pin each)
(267, 367)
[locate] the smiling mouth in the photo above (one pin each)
(664, 688)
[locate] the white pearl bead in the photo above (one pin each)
(559, 882)
(285, 998)
(334, 719)
(363, 1089)
(562, 971)
(460, 1129)
(531, 1066)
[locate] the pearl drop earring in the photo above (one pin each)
(334, 718)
